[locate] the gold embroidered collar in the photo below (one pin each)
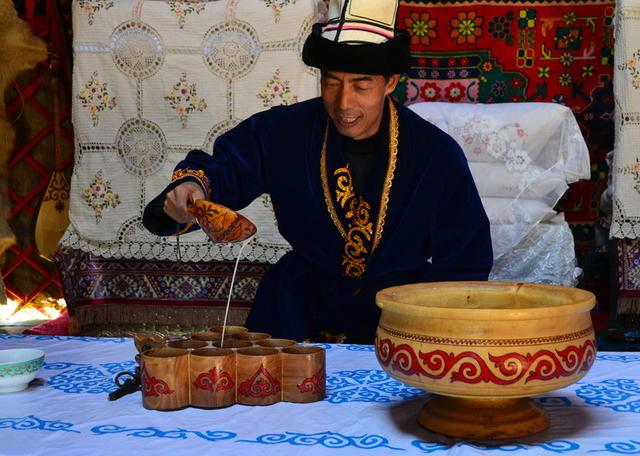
(358, 234)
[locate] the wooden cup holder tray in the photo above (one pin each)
(249, 369)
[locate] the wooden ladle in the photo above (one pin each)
(220, 223)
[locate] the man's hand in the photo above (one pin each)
(175, 204)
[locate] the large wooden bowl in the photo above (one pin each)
(483, 348)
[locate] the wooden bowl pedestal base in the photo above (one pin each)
(483, 419)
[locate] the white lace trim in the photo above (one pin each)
(165, 248)
(625, 229)
(623, 226)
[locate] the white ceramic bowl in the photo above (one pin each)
(18, 367)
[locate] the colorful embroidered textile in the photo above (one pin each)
(628, 272)
(628, 252)
(155, 79)
(117, 297)
(626, 159)
(365, 411)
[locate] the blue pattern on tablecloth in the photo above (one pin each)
(154, 432)
(61, 365)
(85, 378)
(620, 394)
(364, 385)
(555, 446)
(629, 447)
(553, 401)
(115, 340)
(622, 358)
(34, 423)
(327, 439)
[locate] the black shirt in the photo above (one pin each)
(360, 154)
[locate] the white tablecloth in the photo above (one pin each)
(66, 412)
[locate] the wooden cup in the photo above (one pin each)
(144, 341)
(230, 331)
(212, 377)
(188, 344)
(253, 337)
(304, 376)
(165, 378)
(174, 337)
(276, 343)
(210, 337)
(259, 376)
(233, 343)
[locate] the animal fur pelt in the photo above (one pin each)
(19, 50)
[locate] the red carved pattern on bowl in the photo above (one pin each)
(469, 367)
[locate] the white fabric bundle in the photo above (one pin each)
(496, 180)
(545, 255)
(530, 147)
(522, 157)
(506, 211)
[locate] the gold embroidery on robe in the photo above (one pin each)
(344, 190)
(358, 235)
(358, 238)
(360, 228)
(198, 174)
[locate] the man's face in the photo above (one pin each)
(355, 101)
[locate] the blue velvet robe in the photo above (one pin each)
(435, 226)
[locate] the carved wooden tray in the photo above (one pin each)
(251, 369)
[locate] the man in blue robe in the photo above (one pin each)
(368, 194)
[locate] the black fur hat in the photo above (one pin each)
(359, 37)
